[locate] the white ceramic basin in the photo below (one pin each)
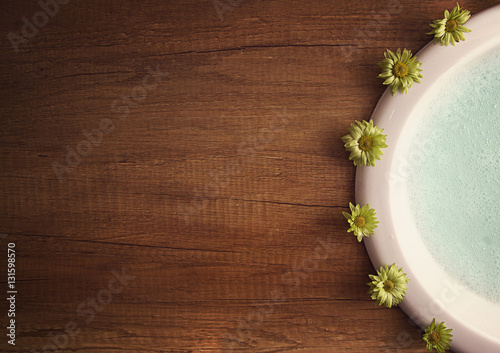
(432, 292)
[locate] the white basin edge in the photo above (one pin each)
(431, 292)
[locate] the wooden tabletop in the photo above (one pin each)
(172, 174)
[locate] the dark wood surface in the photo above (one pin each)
(203, 211)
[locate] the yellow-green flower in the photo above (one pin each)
(400, 70)
(388, 287)
(450, 29)
(364, 141)
(437, 337)
(362, 220)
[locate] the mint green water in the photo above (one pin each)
(455, 184)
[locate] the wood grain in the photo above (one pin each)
(203, 213)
